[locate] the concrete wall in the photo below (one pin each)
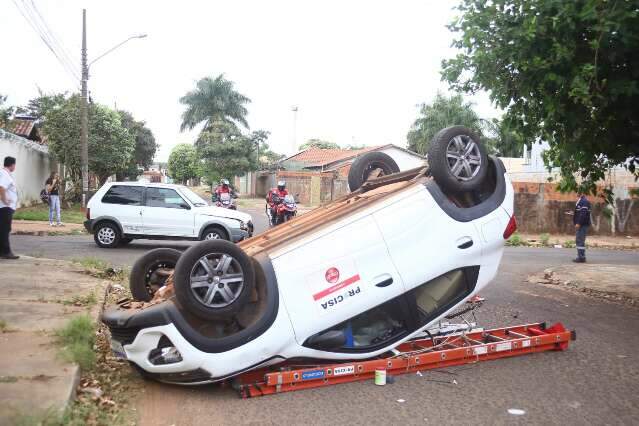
(540, 208)
(404, 160)
(33, 165)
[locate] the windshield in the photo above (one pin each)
(289, 199)
(195, 199)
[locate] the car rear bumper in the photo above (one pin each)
(88, 224)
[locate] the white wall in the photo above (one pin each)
(404, 160)
(33, 166)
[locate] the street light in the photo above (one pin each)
(84, 108)
(116, 46)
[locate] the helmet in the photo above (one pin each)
(224, 182)
(281, 185)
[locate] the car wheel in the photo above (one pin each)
(368, 166)
(214, 233)
(149, 273)
(107, 235)
(125, 241)
(214, 279)
(457, 160)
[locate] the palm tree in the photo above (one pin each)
(213, 99)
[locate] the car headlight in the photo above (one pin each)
(243, 226)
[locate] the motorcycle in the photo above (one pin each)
(285, 209)
(226, 201)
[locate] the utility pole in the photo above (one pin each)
(294, 109)
(84, 115)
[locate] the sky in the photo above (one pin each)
(355, 70)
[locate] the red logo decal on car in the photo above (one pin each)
(332, 275)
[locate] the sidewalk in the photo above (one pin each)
(37, 297)
(613, 282)
(36, 227)
(592, 241)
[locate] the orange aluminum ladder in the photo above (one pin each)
(410, 357)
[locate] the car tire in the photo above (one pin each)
(214, 230)
(214, 279)
(107, 235)
(125, 241)
(145, 278)
(458, 160)
(364, 165)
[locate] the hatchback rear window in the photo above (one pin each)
(124, 194)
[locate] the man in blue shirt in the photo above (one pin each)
(581, 219)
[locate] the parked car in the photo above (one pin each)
(123, 211)
(349, 280)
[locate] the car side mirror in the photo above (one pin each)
(332, 339)
(185, 206)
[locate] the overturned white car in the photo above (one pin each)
(350, 280)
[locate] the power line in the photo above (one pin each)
(44, 37)
(56, 40)
(51, 40)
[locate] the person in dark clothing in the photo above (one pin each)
(581, 219)
(8, 205)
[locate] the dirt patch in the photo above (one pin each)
(617, 283)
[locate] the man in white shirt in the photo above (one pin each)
(8, 205)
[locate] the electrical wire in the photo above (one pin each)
(50, 39)
(27, 14)
(54, 37)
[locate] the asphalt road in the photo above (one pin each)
(594, 382)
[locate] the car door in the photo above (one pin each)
(335, 276)
(423, 241)
(167, 213)
(124, 203)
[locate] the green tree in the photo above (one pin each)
(6, 112)
(145, 145)
(110, 144)
(443, 112)
(39, 106)
(183, 163)
(214, 99)
(226, 152)
(566, 72)
(318, 143)
(502, 139)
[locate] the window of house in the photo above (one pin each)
(164, 197)
(124, 194)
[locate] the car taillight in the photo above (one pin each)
(511, 227)
(88, 214)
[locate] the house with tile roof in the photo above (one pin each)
(340, 160)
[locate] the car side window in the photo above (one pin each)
(375, 327)
(436, 295)
(164, 197)
(125, 195)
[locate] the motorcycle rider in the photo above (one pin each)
(280, 192)
(223, 188)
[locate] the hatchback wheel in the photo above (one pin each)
(107, 235)
(214, 279)
(214, 233)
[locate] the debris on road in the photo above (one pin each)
(516, 411)
(618, 283)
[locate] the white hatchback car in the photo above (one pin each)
(123, 211)
(350, 280)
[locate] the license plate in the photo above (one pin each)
(118, 349)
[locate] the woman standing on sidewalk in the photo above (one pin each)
(53, 189)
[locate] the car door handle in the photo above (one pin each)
(464, 242)
(385, 283)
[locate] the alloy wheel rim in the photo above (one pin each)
(212, 236)
(217, 280)
(106, 235)
(463, 157)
